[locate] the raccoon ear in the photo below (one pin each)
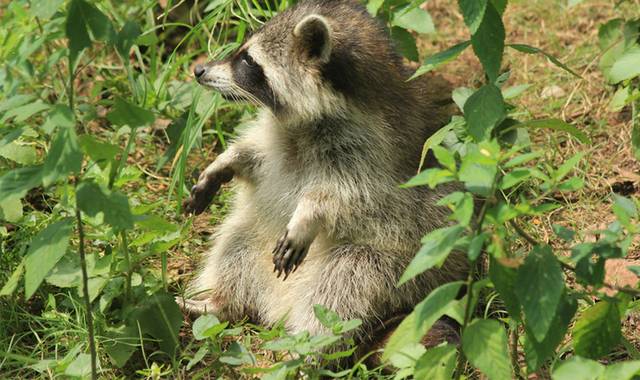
(313, 38)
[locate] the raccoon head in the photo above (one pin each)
(279, 67)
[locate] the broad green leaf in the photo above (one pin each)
(16, 183)
(501, 5)
(460, 96)
(514, 178)
(488, 42)
(622, 371)
(45, 250)
(45, 9)
(437, 363)
(79, 367)
(558, 125)
(424, 315)
(538, 352)
(624, 209)
(64, 157)
(436, 247)
(94, 200)
(96, 149)
(504, 280)
(206, 326)
(20, 153)
(610, 33)
(430, 177)
(545, 285)
(373, 6)
(125, 113)
(473, 12)
(22, 113)
(11, 209)
(479, 167)
(577, 368)
(414, 18)
(476, 245)
(160, 317)
(440, 58)
(76, 30)
(484, 343)
(534, 50)
(122, 342)
(126, 38)
(405, 42)
(625, 67)
(597, 330)
(483, 111)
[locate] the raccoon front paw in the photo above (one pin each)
(288, 255)
(201, 196)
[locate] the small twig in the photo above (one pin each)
(87, 299)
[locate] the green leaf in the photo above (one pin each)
(83, 17)
(10, 286)
(126, 38)
(122, 342)
(597, 331)
(558, 125)
(125, 113)
(11, 209)
(22, 113)
(80, 366)
(514, 91)
(488, 42)
(45, 9)
(545, 285)
(431, 177)
(440, 58)
(436, 247)
(437, 363)
(476, 245)
(93, 200)
(373, 6)
(17, 152)
(405, 43)
(414, 18)
(610, 33)
(206, 326)
(16, 183)
(501, 5)
(577, 368)
(514, 177)
(64, 157)
(534, 50)
(433, 140)
(563, 233)
(504, 279)
(567, 166)
(45, 250)
(625, 67)
(622, 371)
(160, 317)
(479, 167)
(624, 208)
(538, 352)
(98, 150)
(473, 12)
(485, 345)
(424, 315)
(483, 111)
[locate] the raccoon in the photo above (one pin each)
(318, 215)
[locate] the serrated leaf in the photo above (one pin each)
(94, 200)
(484, 343)
(545, 285)
(483, 111)
(424, 315)
(64, 157)
(597, 330)
(414, 18)
(473, 12)
(125, 113)
(437, 363)
(558, 125)
(538, 352)
(440, 58)
(45, 250)
(578, 368)
(436, 247)
(488, 42)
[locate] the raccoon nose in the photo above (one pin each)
(198, 71)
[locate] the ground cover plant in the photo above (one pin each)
(102, 132)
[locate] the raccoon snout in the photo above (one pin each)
(198, 71)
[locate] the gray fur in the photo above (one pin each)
(321, 172)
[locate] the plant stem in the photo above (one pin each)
(470, 280)
(514, 351)
(127, 259)
(87, 299)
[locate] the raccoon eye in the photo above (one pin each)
(247, 60)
